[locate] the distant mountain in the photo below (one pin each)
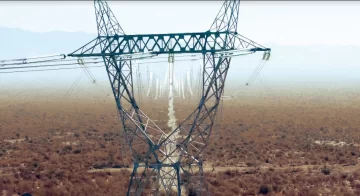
(15, 43)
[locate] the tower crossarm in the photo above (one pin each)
(206, 42)
(242, 42)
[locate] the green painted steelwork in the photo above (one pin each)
(157, 170)
(176, 43)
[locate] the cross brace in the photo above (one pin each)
(206, 42)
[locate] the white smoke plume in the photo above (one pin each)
(189, 82)
(150, 82)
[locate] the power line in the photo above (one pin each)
(24, 61)
(43, 61)
(77, 63)
(67, 64)
(51, 69)
(48, 65)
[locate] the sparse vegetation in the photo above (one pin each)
(264, 149)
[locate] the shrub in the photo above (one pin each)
(67, 149)
(264, 189)
(326, 171)
(77, 151)
(192, 192)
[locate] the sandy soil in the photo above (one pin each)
(304, 144)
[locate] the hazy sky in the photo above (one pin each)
(268, 23)
(300, 23)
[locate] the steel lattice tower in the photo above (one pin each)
(167, 162)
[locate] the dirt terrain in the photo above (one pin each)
(291, 144)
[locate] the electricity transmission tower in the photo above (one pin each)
(167, 162)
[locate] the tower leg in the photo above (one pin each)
(193, 133)
(167, 162)
(155, 179)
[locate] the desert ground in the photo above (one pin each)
(303, 142)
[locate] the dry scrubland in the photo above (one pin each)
(298, 144)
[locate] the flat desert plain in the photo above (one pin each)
(289, 144)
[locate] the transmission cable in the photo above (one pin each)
(89, 74)
(68, 64)
(47, 65)
(256, 72)
(44, 61)
(72, 87)
(35, 70)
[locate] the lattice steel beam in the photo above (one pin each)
(206, 42)
(167, 162)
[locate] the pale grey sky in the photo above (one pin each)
(300, 23)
